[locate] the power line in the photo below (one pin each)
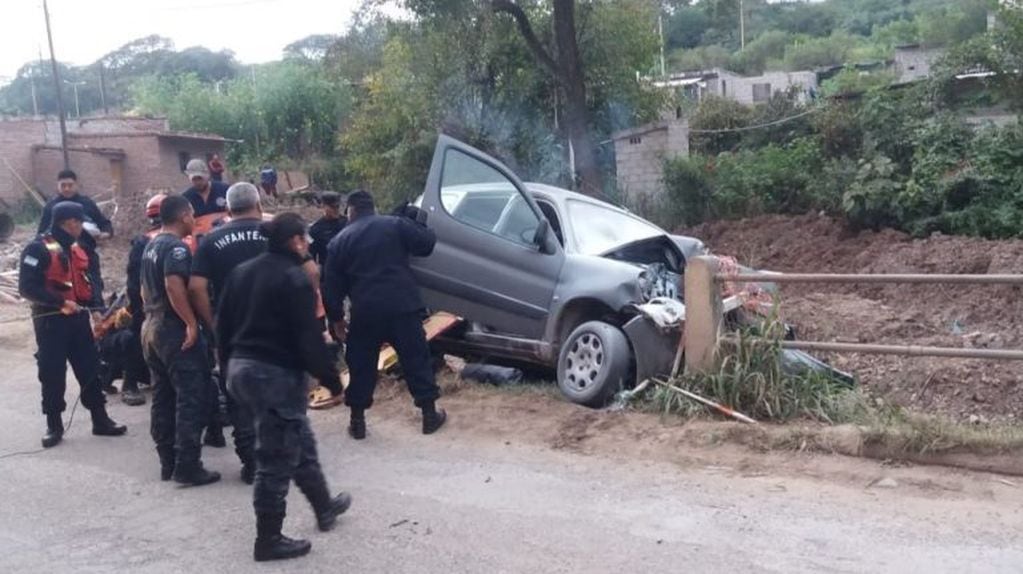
(758, 126)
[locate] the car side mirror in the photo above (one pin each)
(542, 237)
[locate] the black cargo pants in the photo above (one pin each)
(63, 339)
(285, 446)
(405, 333)
(181, 386)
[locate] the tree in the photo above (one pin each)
(566, 68)
(311, 48)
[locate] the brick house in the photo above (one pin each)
(640, 154)
(749, 90)
(114, 157)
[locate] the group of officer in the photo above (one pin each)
(247, 296)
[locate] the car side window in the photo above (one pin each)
(478, 195)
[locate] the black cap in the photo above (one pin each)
(66, 210)
(331, 198)
(361, 200)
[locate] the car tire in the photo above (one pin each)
(595, 363)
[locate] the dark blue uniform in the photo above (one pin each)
(180, 378)
(269, 337)
(215, 202)
(368, 262)
(219, 253)
(61, 339)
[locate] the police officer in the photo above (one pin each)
(369, 263)
(327, 227)
(219, 253)
(174, 350)
(206, 196)
(269, 337)
(54, 277)
(135, 369)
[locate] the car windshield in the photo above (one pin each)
(598, 229)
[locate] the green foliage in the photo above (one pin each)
(716, 113)
(751, 380)
(812, 53)
(290, 116)
(852, 81)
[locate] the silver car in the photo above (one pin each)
(545, 276)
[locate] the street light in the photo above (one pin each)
(78, 110)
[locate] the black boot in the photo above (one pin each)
(54, 430)
(194, 475)
(215, 436)
(103, 425)
(357, 424)
(131, 395)
(433, 418)
(248, 473)
(166, 455)
(326, 518)
(271, 544)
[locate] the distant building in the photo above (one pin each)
(913, 62)
(118, 157)
(747, 90)
(640, 154)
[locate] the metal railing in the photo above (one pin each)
(704, 314)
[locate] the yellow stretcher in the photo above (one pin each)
(319, 397)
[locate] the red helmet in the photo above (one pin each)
(153, 205)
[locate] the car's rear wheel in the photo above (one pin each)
(594, 364)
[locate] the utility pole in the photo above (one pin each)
(74, 85)
(60, 90)
(742, 26)
(660, 31)
(103, 88)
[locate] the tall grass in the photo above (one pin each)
(751, 379)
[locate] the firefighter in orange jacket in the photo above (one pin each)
(54, 277)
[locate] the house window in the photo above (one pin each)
(183, 158)
(761, 92)
(635, 140)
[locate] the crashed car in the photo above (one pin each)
(547, 277)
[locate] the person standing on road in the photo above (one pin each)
(174, 350)
(268, 337)
(135, 369)
(96, 225)
(54, 277)
(219, 253)
(368, 262)
(206, 196)
(327, 227)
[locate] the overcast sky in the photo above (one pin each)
(84, 30)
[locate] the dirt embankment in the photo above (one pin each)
(937, 315)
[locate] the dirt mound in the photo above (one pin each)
(938, 315)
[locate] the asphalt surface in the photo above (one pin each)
(458, 502)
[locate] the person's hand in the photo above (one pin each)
(341, 331)
(70, 308)
(97, 318)
(191, 336)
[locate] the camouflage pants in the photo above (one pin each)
(181, 386)
(276, 399)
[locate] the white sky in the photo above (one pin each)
(84, 30)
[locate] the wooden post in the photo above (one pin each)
(703, 314)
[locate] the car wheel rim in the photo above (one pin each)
(584, 362)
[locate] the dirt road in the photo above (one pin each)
(519, 482)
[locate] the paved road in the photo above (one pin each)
(459, 503)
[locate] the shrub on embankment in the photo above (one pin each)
(884, 161)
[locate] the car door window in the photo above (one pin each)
(482, 197)
(551, 213)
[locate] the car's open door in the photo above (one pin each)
(497, 261)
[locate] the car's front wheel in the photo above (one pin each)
(594, 364)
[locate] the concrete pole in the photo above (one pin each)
(60, 89)
(704, 314)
